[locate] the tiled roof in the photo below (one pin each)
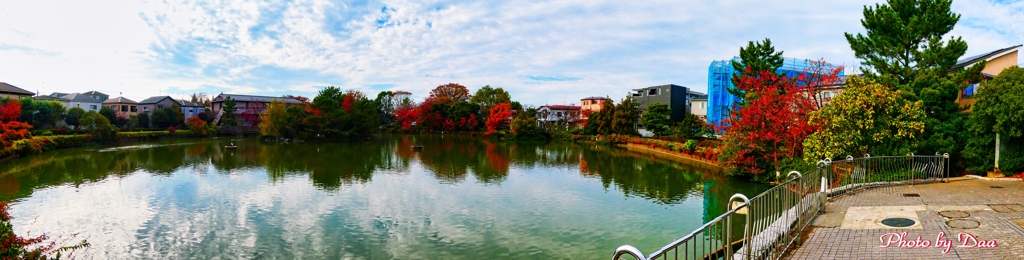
(250, 98)
(45, 97)
(8, 88)
(119, 100)
(79, 97)
(185, 103)
(95, 93)
(984, 56)
(561, 107)
(154, 100)
(58, 94)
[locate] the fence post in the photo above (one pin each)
(945, 165)
(746, 226)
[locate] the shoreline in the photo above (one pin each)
(682, 157)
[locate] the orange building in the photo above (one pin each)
(591, 103)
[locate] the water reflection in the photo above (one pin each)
(457, 198)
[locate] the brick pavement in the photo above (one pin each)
(998, 206)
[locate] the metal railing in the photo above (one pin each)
(774, 219)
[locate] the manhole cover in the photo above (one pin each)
(911, 195)
(1007, 208)
(898, 222)
(954, 214)
(963, 224)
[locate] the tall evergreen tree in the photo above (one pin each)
(757, 56)
(904, 39)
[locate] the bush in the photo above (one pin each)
(46, 133)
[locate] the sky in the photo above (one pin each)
(541, 52)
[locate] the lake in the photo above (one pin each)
(458, 198)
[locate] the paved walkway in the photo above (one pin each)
(988, 210)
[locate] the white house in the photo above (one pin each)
(569, 115)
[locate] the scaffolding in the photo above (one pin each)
(721, 102)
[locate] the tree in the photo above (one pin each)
(228, 116)
(74, 115)
(98, 126)
(499, 116)
(524, 127)
(178, 117)
(449, 93)
(904, 47)
(866, 118)
(998, 111)
(657, 119)
(816, 77)
(770, 128)
(755, 58)
(197, 125)
(274, 121)
(143, 120)
(904, 37)
(201, 98)
(693, 127)
(487, 97)
(10, 128)
(626, 116)
(108, 113)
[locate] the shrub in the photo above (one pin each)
(46, 133)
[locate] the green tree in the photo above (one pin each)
(627, 115)
(74, 116)
(274, 120)
(98, 126)
(108, 113)
(998, 109)
(133, 121)
(486, 97)
(657, 119)
(178, 116)
(524, 127)
(904, 38)
(866, 118)
(144, 120)
(757, 56)
(228, 118)
(692, 127)
(602, 119)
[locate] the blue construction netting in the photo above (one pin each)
(721, 102)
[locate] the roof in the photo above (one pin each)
(58, 94)
(593, 98)
(119, 100)
(154, 100)
(984, 56)
(45, 97)
(666, 85)
(705, 97)
(186, 103)
(560, 107)
(95, 93)
(8, 88)
(79, 97)
(251, 98)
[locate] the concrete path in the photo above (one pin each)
(987, 215)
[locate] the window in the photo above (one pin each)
(135, 109)
(146, 109)
(190, 110)
(558, 114)
(92, 107)
(652, 92)
(159, 106)
(124, 108)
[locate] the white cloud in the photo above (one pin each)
(145, 49)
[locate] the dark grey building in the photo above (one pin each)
(675, 96)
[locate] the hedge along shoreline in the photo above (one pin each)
(39, 144)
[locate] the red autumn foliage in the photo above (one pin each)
(584, 115)
(314, 111)
(499, 115)
(10, 129)
(772, 125)
(197, 125)
(468, 123)
(449, 125)
(406, 116)
(347, 103)
(816, 78)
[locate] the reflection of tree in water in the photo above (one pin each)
(441, 157)
(662, 181)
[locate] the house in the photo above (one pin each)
(996, 62)
(592, 104)
(675, 96)
(247, 104)
(699, 107)
(190, 109)
(122, 106)
(79, 100)
(153, 103)
(97, 95)
(12, 92)
(569, 115)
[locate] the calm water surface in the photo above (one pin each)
(458, 198)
